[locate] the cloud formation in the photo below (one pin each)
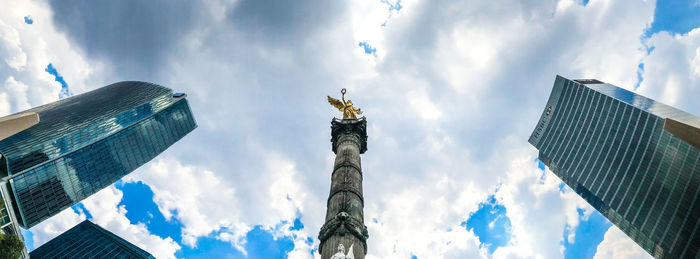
(451, 91)
(106, 212)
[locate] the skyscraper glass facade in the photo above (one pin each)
(85, 143)
(87, 240)
(633, 159)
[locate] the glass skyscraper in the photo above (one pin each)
(633, 159)
(87, 240)
(87, 142)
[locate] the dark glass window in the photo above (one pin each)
(125, 143)
(617, 156)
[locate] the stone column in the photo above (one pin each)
(344, 214)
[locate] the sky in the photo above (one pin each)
(451, 91)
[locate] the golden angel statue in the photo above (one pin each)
(349, 111)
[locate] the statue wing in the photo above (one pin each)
(350, 254)
(336, 103)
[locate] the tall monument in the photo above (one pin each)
(344, 235)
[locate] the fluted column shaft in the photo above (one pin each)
(344, 215)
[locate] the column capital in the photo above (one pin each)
(342, 224)
(354, 128)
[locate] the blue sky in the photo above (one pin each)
(260, 243)
(678, 17)
(451, 91)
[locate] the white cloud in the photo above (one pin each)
(194, 195)
(671, 71)
(422, 221)
(204, 202)
(451, 97)
(696, 62)
(28, 50)
(301, 250)
(56, 225)
(470, 70)
(422, 105)
(103, 206)
(4, 104)
(11, 47)
(617, 244)
(18, 92)
(537, 211)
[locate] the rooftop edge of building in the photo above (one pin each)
(122, 97)
(117, 84)
(134, 250)
(637, 100)
(680, 123)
